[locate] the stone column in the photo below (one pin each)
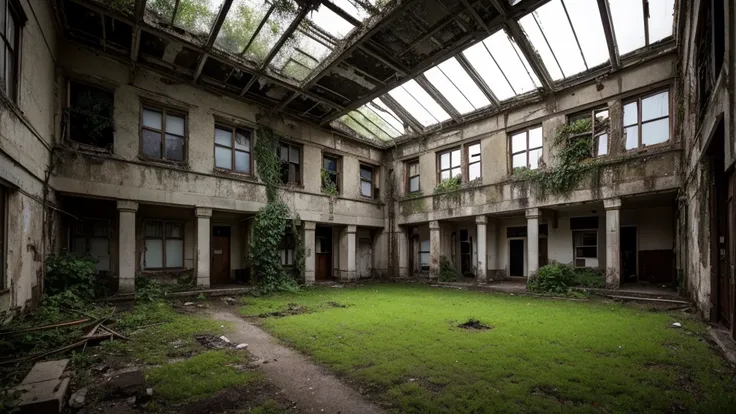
(203, 246)
(532, 241)
(434, 249)
(310, 251)
(403, 251)
(481, 270)
(613, 250)
(348, 255)
(126, 246)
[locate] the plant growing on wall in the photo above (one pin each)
(272, 221)
(329, 187)
(448, 189)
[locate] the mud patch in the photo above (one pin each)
(336, 305)
(213, 342)
(263, 396)
(474, 325)
(291, 309)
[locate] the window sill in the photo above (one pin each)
(88, 148)
(644, 150)
(234, 174)
(157, 161)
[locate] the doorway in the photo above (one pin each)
(466, 252)
(323, 253)
(365, 257)
(516, 257)
(628, 254)
(220, 255)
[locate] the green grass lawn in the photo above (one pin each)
(402, 343)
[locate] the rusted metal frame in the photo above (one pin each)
(373, 134)
(277, 47)
(574, 33)
(386, 61)
(531, 55)
(258, 29)
(431, 31)
(173, 14)
(475, 16)
(342, 13)
(456, 87)
(608, 30)
(549, 46)
(645, 13)
(310, 108)
(365, 74)
(404, 116)
(475, 76)
(216, 26)
(336, 58)
(375, 124)
(435, 94)
(380, 113)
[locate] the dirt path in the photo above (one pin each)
(312, 388)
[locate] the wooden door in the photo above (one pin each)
(466, 252)
(323, 251)
(516, 257)
(220, 255)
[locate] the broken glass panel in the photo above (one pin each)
(300, 55)
(660, 19)
(162, 9)
(353, 124)
(330, 22)
(353, 8)
(628, 24)
(271, 32)
(377, 120)
(417, 102)
(386, 114)
(241, 23)
(197, 16)
(374, 124)
(456, 86)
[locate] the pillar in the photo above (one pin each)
(404, 251)
(310, 252)
(203, 246)
(126, 246)
(532, 242)
(348, 252)
(434, 249)
(613, 255)
(481, 270)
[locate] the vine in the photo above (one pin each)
(412, 203)
(448, 189)
(272, 221)
(329, 188)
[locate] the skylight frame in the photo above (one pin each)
(410, 89)
(621, 16)
(459, 90)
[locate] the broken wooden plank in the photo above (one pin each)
(45, 327)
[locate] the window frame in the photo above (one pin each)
(163, 239)
(68, 107)
(13, 9)
(372, 181)
(439, 155)
(88, 234)
(583, 246)
(407, 165)
(4, 195)
(595, 135)
(638, 99)
(428, 252)
(465, 158)
(164, 110)
(337, 174)
(510, 142)
(299, 147)
(288, 247)
(233, 130)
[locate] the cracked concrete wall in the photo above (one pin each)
(27, 131)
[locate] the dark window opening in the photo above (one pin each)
(598, 131)
(90, 115)
(288, 245)
(91, 238)
(520, 231)
(584, 223)
(329, 172)
(290, 156)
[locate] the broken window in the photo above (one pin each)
(526, 148)
(641, 23)
(646, 120)
(330, 173)
(366, 181)
(412, 174)
(456, 86)
(472, 154)
(89, 115)
(450, 164)
(91, 238)
(233, 149)
(164, 244)
(419, 103)
(162, 133)
(598, 126)
(291, 160)
(585, 246)
(330, 22)
(11, 19)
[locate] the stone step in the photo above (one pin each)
(43, 391)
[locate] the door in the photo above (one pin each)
(543, 260)
(466, 252)
(516, 257)
(365, 257)
(323, 253)
(731, 231)
(220, 255)
(628, 254)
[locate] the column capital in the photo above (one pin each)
(310, 225)
(351, 229)
(612, 203)
(532, 213)
(203, 212)
(434, 225)
(481, 219)
(127, 205)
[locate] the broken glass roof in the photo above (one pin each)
(417, 102)
(330, 22)
(304, 50)
(241, 23)
(377, 119)
(194, 16)
(632, 29)
(456, 86)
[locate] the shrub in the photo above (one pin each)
(148, 289)
(590, 277)
(552, 278)
(68, 273)
(447, 272)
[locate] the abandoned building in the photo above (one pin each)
(409, 131)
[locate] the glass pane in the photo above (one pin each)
(655, 106)
(424, 259)
(153, 229)
(174, 148)
(330, 22)
(366, 173)
(223, 137)
(535, 137)
(655, 132)
(631, 114)
(270, 34)
(174, 253)
(387, 115)
(174, 230)
(366, 189)
(661, 13)
(455, 85)
(473, 171)
(99, 248)
(534, 157)
(455, 158)
(242, 162)
(445, 161)
(154, 253)
(628, 24)
(425, 246)
(414, 169)
(294, 155)
(240, 24)
(483, 63)
(519, 160)
(300, 55)
(329, 164)
(242, 140)
(474, 151)
(284, 153)
(603, 144)
(589, 30)
(11, 32)
(512, 62)
(174, 125)
(197, 16)
(631, 134)
(518, 142)
(456, 172)
(151, 143)
(444, 175)
(223, 158)
(152, 119)
(414, 184)
(418, 103)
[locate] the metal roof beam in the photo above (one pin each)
(475, 76)
(437, 96)
(216, 26)
(342, 13)
(135, 44)
(404, 116)
(605, 11)
(531, 55)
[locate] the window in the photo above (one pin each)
(3, 218)
(646, 120)
(366, 181)
(92, 238)
(598, 131)
(585, 245)
(287, 248)
(291, 157)
(233, 149)
(450, 163)
(162, 133)
(473, 157)
(412, 176)
(526, 149)
(11, 18)
(164, 244)
(424, 255)
(329, 171)
(89, 115)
